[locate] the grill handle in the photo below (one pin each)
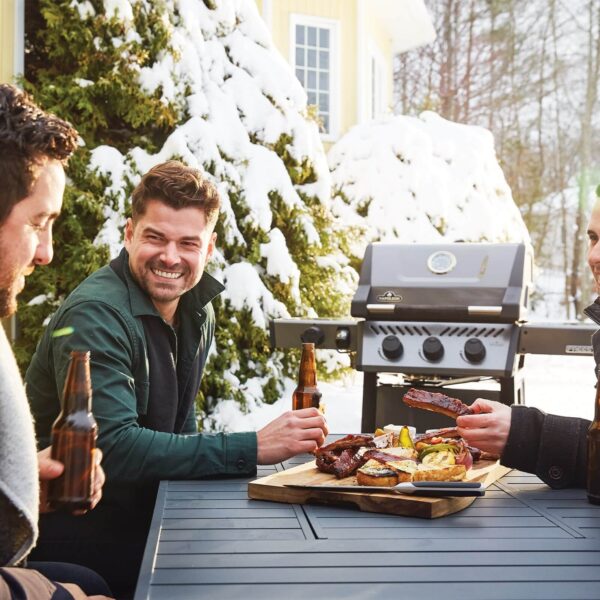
(422, 312)
(487, 311)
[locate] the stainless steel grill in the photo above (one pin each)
(434, 316)
(443, 310)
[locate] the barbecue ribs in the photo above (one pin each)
(438, 403)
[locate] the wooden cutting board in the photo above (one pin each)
(273, 488)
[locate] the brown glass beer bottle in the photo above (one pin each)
(307, 393)
(593, 459)
(74, 436)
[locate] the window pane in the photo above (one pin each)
(325, 119)
(312, 58)
(299, 57)
(311, 80)
(312, 98)
(324, 59)
(324, 81)
(324, 38)
(312, 36)
(299, 34)
(324, 102)
(300, 75)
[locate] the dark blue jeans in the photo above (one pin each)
(89, 581)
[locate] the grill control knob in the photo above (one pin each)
(474, 350)
(392, 347)
(433, 348)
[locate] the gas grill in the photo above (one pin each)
(436, 316)
(446, 309)
(437, 313)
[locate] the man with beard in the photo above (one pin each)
(34, 146)
(148, 320)
(553, 447)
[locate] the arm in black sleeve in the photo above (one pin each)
(552, 447)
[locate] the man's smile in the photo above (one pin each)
(166, 274)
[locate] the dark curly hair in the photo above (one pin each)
(178, 186)
(28, 136)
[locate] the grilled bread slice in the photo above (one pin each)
(391, 473)
(439, 473)
(378, 477)
(376, 473)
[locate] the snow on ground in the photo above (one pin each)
(563, 385)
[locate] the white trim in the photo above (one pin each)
(267, 13)
(334, 64)
(19, 41)
(375, 55)
(361, 99)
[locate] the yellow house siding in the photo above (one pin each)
(7, 41)
(344, 13)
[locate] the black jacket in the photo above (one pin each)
(552, 447)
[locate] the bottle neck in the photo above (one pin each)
(308, 368)
(77, 393)
(597, 405)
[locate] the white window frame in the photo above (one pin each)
(376, 102)
(334, 65)
(19, 39)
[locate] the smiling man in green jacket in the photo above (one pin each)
(148, 321)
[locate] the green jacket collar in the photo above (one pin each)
(195, 299)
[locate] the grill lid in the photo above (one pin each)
(444, 282)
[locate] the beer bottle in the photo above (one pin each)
(74, 438)
(307, 393)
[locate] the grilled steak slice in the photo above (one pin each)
(325, 461)
(383, 457)
(488, 456)
(347, 463)
(446, 432)
(475, 453)
(355, 441)
(342, 457)
(438, 403)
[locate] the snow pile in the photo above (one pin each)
(423, 179)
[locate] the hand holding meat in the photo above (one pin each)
(488, 427)
(294, 432)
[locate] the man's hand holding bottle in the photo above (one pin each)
(51, 469)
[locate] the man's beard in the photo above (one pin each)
(8, 287)
(8, 302)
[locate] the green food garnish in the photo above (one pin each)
(62, 332)
(437, 448)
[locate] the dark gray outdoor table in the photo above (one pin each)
(521, 541)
